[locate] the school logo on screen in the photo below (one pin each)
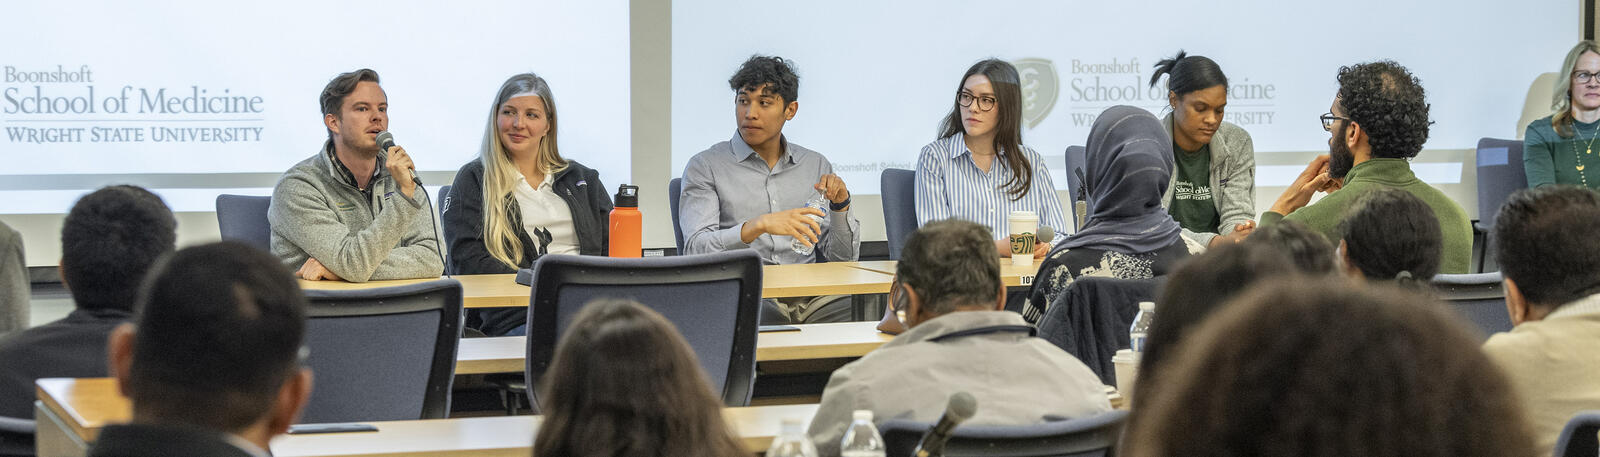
(1039, 88)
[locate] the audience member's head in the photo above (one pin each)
(1381, 112)
(1199, 287)
(624, 383)
(1547, 248)
(1314, 368)
(1312, 253)
(1392, 235)
(109, 240)
(949, 266)
(216, 344)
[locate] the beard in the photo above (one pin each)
(1340, 159)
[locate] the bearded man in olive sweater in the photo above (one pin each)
(1379, 121)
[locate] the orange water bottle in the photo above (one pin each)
(627, 224)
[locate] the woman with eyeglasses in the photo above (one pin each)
(1212, 191)
(979, 170)
(1560, 148)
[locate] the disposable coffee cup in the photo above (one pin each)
(1023, 226)
(1127, 368)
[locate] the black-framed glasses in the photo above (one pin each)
(985, 103)
(1582, 77)
(1329, 118)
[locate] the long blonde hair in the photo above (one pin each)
(1561, 120)
(500, 172)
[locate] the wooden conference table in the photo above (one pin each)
(777, 281)
(72, 411)
(812, 342)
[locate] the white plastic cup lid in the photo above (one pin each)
(863, 415)
(1024, 215)
(1146, 306)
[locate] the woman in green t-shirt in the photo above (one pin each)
(1560, 148)
(1212, 191)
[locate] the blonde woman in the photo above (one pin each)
(1561, 148)
(538, 202)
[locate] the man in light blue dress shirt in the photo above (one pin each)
(751, 191)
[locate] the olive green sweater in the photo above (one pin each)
(1324, 215)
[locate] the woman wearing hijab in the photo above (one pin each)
(1128, 235)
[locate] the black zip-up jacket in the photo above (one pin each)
(462, 210)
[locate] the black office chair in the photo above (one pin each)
(674, 190)
(1084, 437)
(713, 299)
(1578, 438)
(244, 218)
(1479, 297)
(899, 207)
(383, 354)
(16, 437)
(1499, 174)
(1090, 319)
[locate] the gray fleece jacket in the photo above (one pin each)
(317, 212)
(1233, 179)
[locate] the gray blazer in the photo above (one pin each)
(1233, 178)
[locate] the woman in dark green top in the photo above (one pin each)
(1212, 190)
(1561, 148)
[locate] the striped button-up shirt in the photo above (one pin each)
(728, 184)
(950, 185)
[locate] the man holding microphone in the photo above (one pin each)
(352, 211)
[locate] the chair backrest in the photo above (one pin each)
(1077, 156)
(1479, 297)
(1089, 436)
(713, 299)
(1090, 318)
(675, 189)
(383, 354)
(1499, 174)
(1578, 438)
(899, 207)
(244, 218)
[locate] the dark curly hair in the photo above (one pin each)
(1313, 254)
(774, 72)
(1391, 232)
(1389, 104)
(1199, 287)
(1544, 241)
(949, 264)
(1317, 368)
(109, 240)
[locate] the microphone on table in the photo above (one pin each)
(386, 141)
(962, 406)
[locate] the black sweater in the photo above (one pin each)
(578, 185)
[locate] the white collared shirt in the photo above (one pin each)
(543, 209)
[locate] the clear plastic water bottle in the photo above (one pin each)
(862, 438)
(1141, 326)
(820, 203)
(792, 441)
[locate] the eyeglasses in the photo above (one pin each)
(1582, 77)
(985, 103)
(898, 303)
(1328, 119)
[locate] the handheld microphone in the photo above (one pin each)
(1045, 234)
(962, 406)
(386, 141)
